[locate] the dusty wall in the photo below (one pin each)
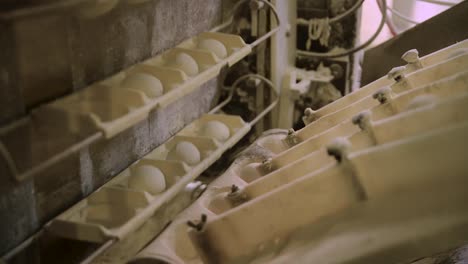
(46, 55)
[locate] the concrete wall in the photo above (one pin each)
(53, 53)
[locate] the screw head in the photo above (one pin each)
(234, 188)
(411, 56)
(339, 148)
(362, 119)
(383, 95)
(396, 73)
(198, 225)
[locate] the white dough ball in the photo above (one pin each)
(144, 82)
(186, 63)
(215, 129)
(249, 172)
(186, 152)
(147, 178)
(214, 46)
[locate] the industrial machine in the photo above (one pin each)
(215, 131)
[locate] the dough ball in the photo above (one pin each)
(215, 129)
(186, 152)
(144, 82)
(214, 46)
(186, 63)
(147, 178)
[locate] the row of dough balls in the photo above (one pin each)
(151, 179)
(153, 87)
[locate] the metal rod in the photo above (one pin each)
(272, 105)
(261, 39)
(20, 122)
(231, 17)
(99, 251)
(11, 165)
(13, 168)
(225, 102)
(264, 37)
(8, 256)
(271, 32)
(234, 86)
(264, 112)
(59, 157)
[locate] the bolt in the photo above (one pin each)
(291, 138)
(397, 73)
(362, 120)
(339, 148)
(234, 188)
(309, 116)
(383, 95)
(411, 56)
(308, 111)
(236, 196)
(267, 165)
(200, 224)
